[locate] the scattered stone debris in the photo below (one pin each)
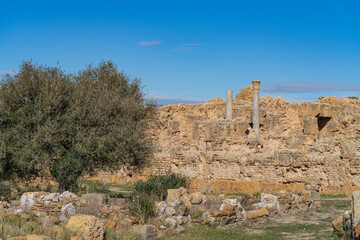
(89, 215)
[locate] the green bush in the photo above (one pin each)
(141, 206)
(92, 187)
(5, 192)
(72, 124)
(145, 193)
(157, 185)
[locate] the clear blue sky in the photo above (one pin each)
(195, 50)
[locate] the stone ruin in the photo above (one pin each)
(298, 142)
(221, 150)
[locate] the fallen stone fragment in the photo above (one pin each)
(173, 194)
(144, 231)
(257, 213)
(219, 213)
(68, 210)
(170, 223)
(170, 211)
(356, 207)
(357, 230)
(110, 224)
(87, 226)
(196, 197)
(337, 223)
(27, 200)
(184, 210)
(30, 237)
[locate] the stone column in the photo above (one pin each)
(229, 108)
(256, 106)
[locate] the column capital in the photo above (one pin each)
(256, 84)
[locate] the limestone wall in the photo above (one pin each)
(298, 141)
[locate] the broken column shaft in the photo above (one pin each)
(256, 106)
(229, 109)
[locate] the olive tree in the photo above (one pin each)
(67, 125)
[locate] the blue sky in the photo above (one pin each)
(195, 50)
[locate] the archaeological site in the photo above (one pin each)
(269, 146)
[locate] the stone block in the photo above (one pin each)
(337, 223)
(312, 184)
(196, 197)
(311, 125)
(208, 133)
(94, 199)
(285, 158)
(89, 227)
(174, 194)
(315, 196)
(145, 232)
(356, 207)
(173, 127)
(110, 224)
(257, 213)
(184, 210)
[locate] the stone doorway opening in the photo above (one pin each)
(322, 122)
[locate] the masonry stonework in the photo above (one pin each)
(299, 141)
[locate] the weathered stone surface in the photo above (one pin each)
(196, 197)
(160, 207)
(268, 201)
(184, 210)
(299, 141)
(94, 199)
(144, 231)
(219, 213)
(110, 224)
(337, 223)
(37, 237)
(170, 223)
(27, 200)
(174, 194)
(257, 213)
(30, 237)
(68, 210)
(245, 94)
(87, 226)
(356, 207)
(170, 211)
(357, 230)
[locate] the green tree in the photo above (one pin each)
(69, 125)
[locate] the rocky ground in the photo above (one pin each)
(183, 215)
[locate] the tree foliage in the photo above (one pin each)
(72, 124)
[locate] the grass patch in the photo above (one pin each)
(328, 206)
(125, 187)
(284, 231)
(327, 196)
(89, 186)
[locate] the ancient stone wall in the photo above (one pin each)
(299, 141)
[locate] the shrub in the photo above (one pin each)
(71, 125)
(145, 193)
(141, 206)
(157, 185)
(5, 192)
(92, 187)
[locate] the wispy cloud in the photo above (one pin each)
(309, 87)
(164, 100)
(6, 72)
(186, 47)
(153, 42)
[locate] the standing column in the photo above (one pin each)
(256, 106)
(229, 109)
